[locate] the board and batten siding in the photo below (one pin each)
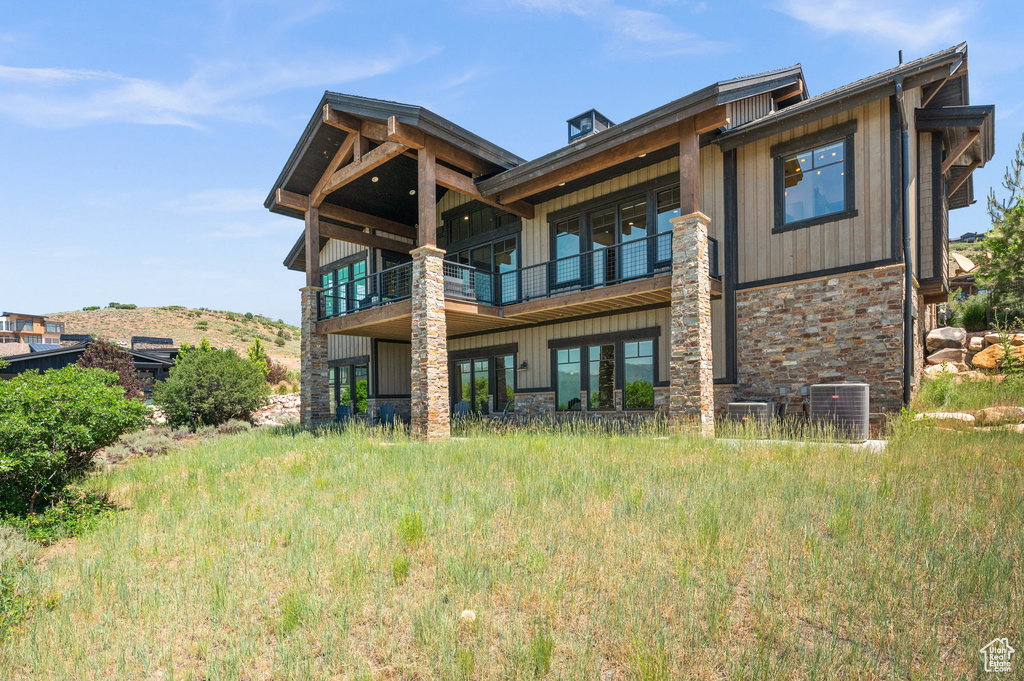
(925, 226)
(394, 368)
(863, 238)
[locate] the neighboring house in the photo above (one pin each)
(968, 238)
(152, 367)
(26, 329)
(741, 242)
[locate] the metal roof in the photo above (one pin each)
(42, 347)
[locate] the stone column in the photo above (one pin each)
(691, 392)
(429, 405)
(314, 402)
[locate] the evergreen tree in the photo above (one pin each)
(1005, 242)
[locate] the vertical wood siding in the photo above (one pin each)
(394, 368)
(925, 227)
(748, 109)
(864, 238)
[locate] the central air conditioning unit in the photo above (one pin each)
(751, 413)
(843, 406)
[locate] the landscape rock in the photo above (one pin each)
(991, 339)
(990, 357)
(945, 337)
(936, 370)
(950, 355)
(977, 344)
(999, 415)
(280, 410)
(949, 419)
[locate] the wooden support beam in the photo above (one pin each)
(341, 120)
(689, 168)
(353, 217)
(645, 144)
(378, 156)
(341, 157)
(712, 119)
(359, 147)
(959, 150)
(426, 194)
(448, 178)
(378, 132)
(312, 247)
(963, 178)
(354, 236)
(443, 151)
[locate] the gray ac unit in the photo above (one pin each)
(751, 413)
(842, 406)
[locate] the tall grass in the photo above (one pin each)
(952, 393)
(351, 556)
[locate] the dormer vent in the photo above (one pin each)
(586, 124)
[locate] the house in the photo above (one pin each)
(151, 366)
(968, 238)
(961, 274)
(25, 330)
(740, 242)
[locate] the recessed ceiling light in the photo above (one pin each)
(412, 192)
(466, 218)
(641, 155)
(374, 178)
(561, 184)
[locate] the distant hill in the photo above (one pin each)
(222, 329)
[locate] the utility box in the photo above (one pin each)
(752, 413)
(843, 406)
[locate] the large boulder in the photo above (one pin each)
(994, 339)
(991, 357)
(949, 356)
(945, 337)
(994, 416)
(949, 419)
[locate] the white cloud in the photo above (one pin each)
(636, 33)
(219, 201)
(225, 90)
(905, 24)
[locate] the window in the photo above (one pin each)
(600, 368)
(814, 181)
(474, 222)
(25, 325)
(54, 328)
(601, 393)
(345, 288)
(567, 391)
(567, 248)
(487, 384)
(349, 385)
(668, 208)
(638, 378)
(31, 339)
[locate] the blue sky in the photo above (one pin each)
(138, 140)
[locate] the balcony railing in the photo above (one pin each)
(592, 269)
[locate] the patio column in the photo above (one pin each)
(429, 346)
(314, 404)
(691, 391)
(429, 407)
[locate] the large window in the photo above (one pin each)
(486, 383)
(52, 327)
(473, 223)
(25, 325)
(349, 385)
(814, 180)
(668, 208)
(594, 369)
(344, 287)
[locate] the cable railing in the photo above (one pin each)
(595, 268)
(365, 293)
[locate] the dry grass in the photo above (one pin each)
(265, 556)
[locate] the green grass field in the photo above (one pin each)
(263, 556)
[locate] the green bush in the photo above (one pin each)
(202, 325)
(90, 308)
(210, 387)
(971, 313)
(639, 395)
(75, 513)
(52, 425)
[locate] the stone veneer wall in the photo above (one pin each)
(429, 401)
(535, 403)
(691, 379)
(314, 404)
(842, 328)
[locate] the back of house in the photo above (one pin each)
(740, 243)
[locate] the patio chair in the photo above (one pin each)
(343, 414)
(386, 415)
(461, 410)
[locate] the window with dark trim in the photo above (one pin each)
(486, 383)
(349, 385)
(596, 368)
(814, 179)
(345, 286)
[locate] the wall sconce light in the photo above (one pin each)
(523, 366)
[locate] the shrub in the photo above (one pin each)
(257, 353)
(74, 513)
(639, 395)
(90, 308)
(151, 442)
(202, 325)
(210, 387)
(970, 313)
(279, 342)
(234, 426)
(109, 357)
(53, 423)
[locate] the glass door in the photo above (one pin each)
(471, 383)
(602, 238)
(633, 260)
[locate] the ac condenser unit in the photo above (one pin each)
(751, 413)
(843, 406)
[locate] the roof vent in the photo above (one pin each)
(586, 124)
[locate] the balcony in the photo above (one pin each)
(622, 276)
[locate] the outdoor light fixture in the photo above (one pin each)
(412, 192)
(523, 366)
(641, 155)
(374, 178)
